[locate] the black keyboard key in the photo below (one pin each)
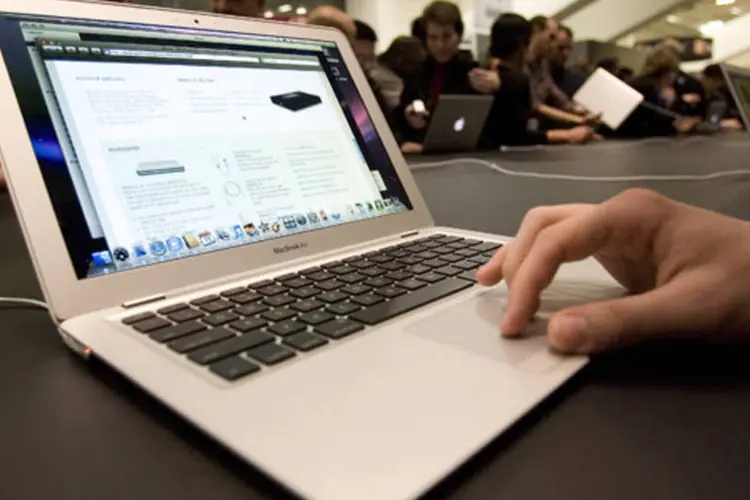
(330, 265)
(363, 264)
(487, 247)
(234, 368)
(305, 292)
(392, 266)
(480, 259)
(288, 327)
(400, 305)
(472, 243)
(177, 331)
(332, 297)
(468, 276)
(398, 254)
(321, 276)
(390, 292)
(353, 278)
(418, 269)
(410, 261)
(246, 298)
(451, 258)
(373, 271)
(150, 324)
(230, 347)
(429, 245)
(398, 275)
(412, 284)
(304, 342)
(248, 324)
(433, 263)
(458, 245)
(286, 277)
(427, 254)
(198, 340)
(343, 308)
(341, 270)
(330, 285)
(184, 315)
(271, 354)
(431, 277)
(260, 284)
(339, 328)
(415, 248)
(272, 290)
(351, 260)
(442, 250)
(367, 299)
(216, 306)
(357, 289)
(137, 318)
(467, 252)
(219, 319)
(204, 300)
(316, 317)
(278, 315)
(307, 305)
(380, 259)
(172, 309)
(449, 271)
(371, 254)
(378, 282)
(233, 291)
(466, 265)
(309, 270)
(279, 300)
(298, 282)
(251, 309)
(449, 239)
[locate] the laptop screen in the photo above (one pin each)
(740, 81)
(161, 143)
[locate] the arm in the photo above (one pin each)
(559, 115)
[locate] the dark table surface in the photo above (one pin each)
(668, 421)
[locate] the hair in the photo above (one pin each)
(365, 32)
(624, 73)
(444, 14)
(661, 61)
(404, 56)
(510, 32)
(609, 63)
(418, 29)
(539, 23)
(713, 71)
(568, 31)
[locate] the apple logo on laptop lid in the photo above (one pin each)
(460, 124)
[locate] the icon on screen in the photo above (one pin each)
(301, 220)
(191, 241)
(336, 216)
(251, 230)
(140, 251)
(379, 204)
(158, 248)
(121, 255)
(206, 238)
(174, 244)
(101, 259)
(239, 233)
(313, 218)
(361, 208)
(223, 234)
(265, 227)
(350, 210)
(370, 207)
(290, 223)
(276, 227)
(323, 215)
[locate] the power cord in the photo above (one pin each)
(582, 178)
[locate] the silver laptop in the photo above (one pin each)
(272, 275)
(738, 81)
(457, 123)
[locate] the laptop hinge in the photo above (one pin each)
(143, 301)
(409, 235)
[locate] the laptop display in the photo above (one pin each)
(160, 144)
(739, 83)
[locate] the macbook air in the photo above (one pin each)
(738, 81)
(457, 123)
(268, 270)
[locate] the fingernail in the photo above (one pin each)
(568, 332)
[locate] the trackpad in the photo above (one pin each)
(473, 325)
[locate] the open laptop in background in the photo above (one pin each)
(457, 123)
(265, 267)
(738, 81)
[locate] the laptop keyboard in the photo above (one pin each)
(241, 330)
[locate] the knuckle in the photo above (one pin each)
(642, 196)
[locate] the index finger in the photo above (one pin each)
(571, 240)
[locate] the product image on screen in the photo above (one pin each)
(157, 144)
(296, 101)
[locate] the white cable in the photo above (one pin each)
(583, 178)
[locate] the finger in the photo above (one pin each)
(661, 313)
(573, 239)
(492, 272)
(535, 221)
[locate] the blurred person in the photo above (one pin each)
(656, 83)
(332, 17)
(568, 80)
(245, 8)
(404, 59)
(625, 74)
(691, 98)
(609, 64)
(683, 268)
(508, 121)
(390, 85)
(419, 30)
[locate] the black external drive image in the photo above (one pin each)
(296, 101)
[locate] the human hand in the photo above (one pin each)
(686, 124)
(691, 99)
(685, 266)
(411, 148)
(416, 120)
(592, 119)
(581, 135)
(731, 125)
(484, 81)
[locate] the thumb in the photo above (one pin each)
(602, 326)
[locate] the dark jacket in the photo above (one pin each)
(684, 85)
(455, 78)
(568, 80)
(508, 120)
(645, 122)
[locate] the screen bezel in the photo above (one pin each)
(728, 71)
(69, 296)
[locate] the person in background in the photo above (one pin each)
(609, 64)
(419, 30)
(550, 102)
(716, 91)
(690, 96)
(625, 74)
(445, 71)
(656, 83)
(567, 80)
(404, 58)
(390, 85)
(508, 121)
(245, 8)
